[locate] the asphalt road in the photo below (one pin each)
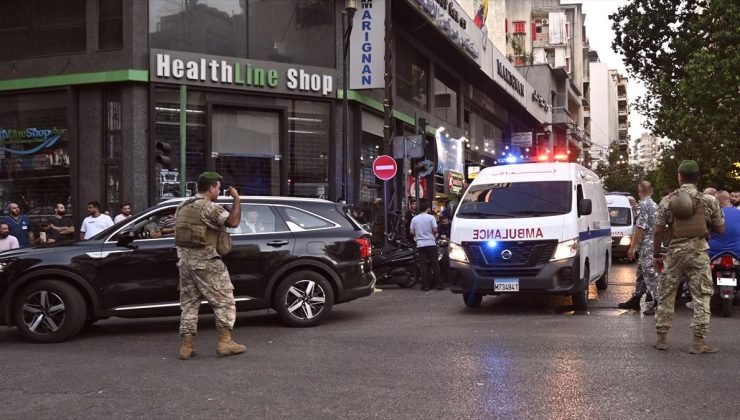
(396, 354)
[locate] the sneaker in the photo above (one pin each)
(690, 304)
(633, 303)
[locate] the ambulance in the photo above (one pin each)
(622, 219)
(531, 228)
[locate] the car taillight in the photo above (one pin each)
(366, 248)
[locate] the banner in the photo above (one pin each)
(523, 139)
(367, 46)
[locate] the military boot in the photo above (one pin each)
(187, 350)
(227, 346)
(633, 303)
(662, 342)
(699, 347)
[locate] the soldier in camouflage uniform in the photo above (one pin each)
(642, 240)
(634, 301)
(202, 273)
(687, 257)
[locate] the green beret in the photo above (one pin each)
(210, 176)
(688, 167)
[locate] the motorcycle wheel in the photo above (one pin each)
(407, 280)
(726, 308)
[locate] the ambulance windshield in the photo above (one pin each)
(620, 216)
(516, 199)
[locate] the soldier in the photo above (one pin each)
(634, 301)
(643, 240)
(198, 223)
(689, 213)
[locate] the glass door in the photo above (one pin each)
(246, 148)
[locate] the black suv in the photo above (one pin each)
(299, 256)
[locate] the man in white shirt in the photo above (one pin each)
(125, 212)
(95, 223)
(424, 228)
(7, 241)
(252, 224)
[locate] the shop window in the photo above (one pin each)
(31, 28)
(370, 186)
(445, 96)
(167, 130)
(308, 155)
(112, 137)
(34, 157)
(412, 74)
(288, 31)
(110, 25)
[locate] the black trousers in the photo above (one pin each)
(428, 259)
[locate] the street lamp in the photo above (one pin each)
(348, 15)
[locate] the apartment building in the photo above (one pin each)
(623, 110)
(648, 150)
(601, 112)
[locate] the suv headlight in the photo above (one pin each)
(625, 241)
(457, 253)
(565, 249)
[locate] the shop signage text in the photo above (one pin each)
(528, 233)
(455, 182)
(175, 67)
(367, 46)
(39, 139)
(521, 139)
(454, 22)
(540, 100)
(509, 77)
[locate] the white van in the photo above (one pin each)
(532, 227)
(622, 219)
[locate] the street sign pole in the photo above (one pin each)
(385, 168)
(385, 214)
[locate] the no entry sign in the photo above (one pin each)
(384, 167)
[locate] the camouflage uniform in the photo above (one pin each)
(204, 275)
(639, 276)
(646, 221)
(687, 258)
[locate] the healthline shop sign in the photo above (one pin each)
(233, 73)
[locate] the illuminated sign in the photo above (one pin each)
(16, 141)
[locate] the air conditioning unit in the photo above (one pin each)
(545, 22)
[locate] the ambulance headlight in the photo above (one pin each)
(457, 253)
(565, 249)
(625, 241)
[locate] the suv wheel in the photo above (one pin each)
(304, 299)
(49, 311)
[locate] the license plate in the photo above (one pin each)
(726, 281)
(506, 285)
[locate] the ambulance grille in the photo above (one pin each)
(523, 253)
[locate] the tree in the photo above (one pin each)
(686, 53)
(617, 174)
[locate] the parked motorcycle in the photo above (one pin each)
(725, 271)
(397, 263)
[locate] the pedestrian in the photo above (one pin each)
(60, 227)
(444, 226)
(341, 200)
(735, 199)
(7, 241)
(691, 214)
(710, 191)
(410, 213)
(95, 223)
(19, 224)
(730, 239)
(424, 229)
(642, 242)
(199, 222)
(125, 213)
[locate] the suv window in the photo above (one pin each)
(160, 224)
(257, 219)
(306, 220)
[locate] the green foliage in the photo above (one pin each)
(686, 53)
(618, 175)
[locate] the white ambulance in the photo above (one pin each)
(532, 227)
(622, 219)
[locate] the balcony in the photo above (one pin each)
(560, 115)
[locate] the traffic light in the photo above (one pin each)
(423, 168)
(164, 151)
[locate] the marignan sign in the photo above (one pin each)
(367, 46)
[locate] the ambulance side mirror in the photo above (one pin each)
(584, 207)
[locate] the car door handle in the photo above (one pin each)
(277, 243)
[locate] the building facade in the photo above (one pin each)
(602, 113)
(648, 150)
(623, 110)
(129, 100)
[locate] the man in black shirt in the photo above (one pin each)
(59, 228)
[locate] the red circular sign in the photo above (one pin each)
(384, 167)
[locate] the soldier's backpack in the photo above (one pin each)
(693, 226)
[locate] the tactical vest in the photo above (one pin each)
(696, 225)
(190, 229)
